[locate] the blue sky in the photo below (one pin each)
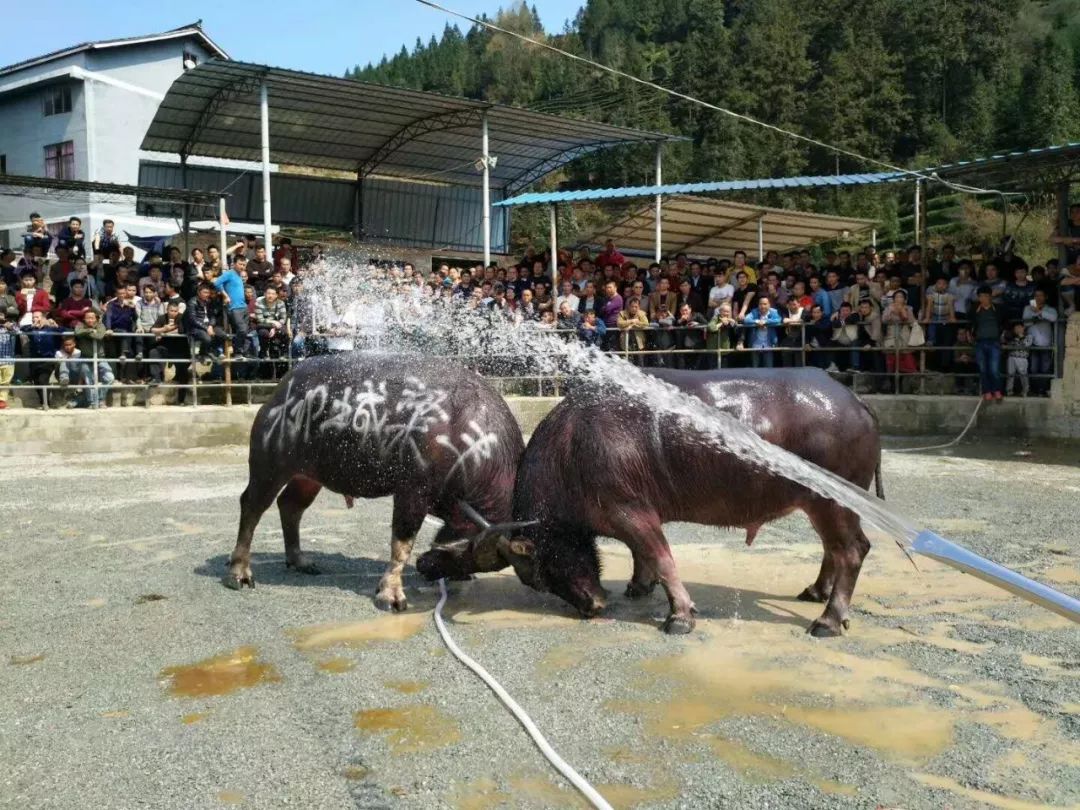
(322, 36)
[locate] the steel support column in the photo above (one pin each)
(486, 219)
(264, 116)
(659, 203)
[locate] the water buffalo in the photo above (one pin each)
(599, 464)
(434, 435)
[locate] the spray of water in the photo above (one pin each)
(386, 311)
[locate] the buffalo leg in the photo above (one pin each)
(644, 579)
(409, 511)
(255, 500)
(847, 545)
(645, 537)
(292, 502)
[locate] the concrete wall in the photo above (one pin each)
(140, 429)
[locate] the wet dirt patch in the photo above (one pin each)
(219, 675)
(410, 729)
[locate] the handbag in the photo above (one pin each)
(917, 336)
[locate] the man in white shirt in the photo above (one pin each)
(567, 294)
(721, 291)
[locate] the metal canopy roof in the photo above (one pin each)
(1008, 169)
(19, 185)
(701, 188)
(703, 226)
(332, 123)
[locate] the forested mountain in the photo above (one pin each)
(911, 82)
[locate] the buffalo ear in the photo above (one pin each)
(521, 547)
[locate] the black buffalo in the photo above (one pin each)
(432, 434)
(601, 465)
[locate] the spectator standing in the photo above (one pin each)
(845, 323)
(58, 274)
(73, 239)
(610, 256)
(201, 323)
(632, 323)
(8, 305)
(1040, 321)
(259, 270)
(1017, 296)
(835, 290)
(568, 320)
(863, 290)
(30, 299)
(106, 240)
(689, 337)
(37, 236)
(869, 338)
(762, 325)
(897, 322)
(721, 291)
(170, 343)
(592, 330)
(70, 311)
(1070, 288)
(689, 296)
(9, 338)
(791, 339)
(42, 343)
(722, 333)
(9, 273)
(148, 308)
(1017, 348)
(231, 287)
(121, 319)
(270, 320)
(965, 369)
(987, 324)
(90, 340)
(612, 306)
(962, 288)
(939, 315)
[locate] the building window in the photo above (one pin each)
(60, 160)
(57, 100)
(190, 60)
(3, 164)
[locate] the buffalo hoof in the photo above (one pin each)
(812, 594)
(302, 566)
(637, 590)
(392, 598)
(822, 629)
(679, 625)
(237, 582)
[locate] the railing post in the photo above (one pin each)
(228, 369)
(194, 377)
(97, 392)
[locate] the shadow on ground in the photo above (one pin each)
(501, 597)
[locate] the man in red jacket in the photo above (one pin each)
(30, 298)
(71, 310)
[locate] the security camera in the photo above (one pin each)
(189, 63)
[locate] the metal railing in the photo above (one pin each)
(230, 371)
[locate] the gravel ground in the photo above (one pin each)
(945, 692)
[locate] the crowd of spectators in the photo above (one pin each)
(82, 310)
(861, 313)
(991, 324)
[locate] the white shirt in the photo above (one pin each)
(573, 299)
(717, 295)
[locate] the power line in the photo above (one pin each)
(692, 99)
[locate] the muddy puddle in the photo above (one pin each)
(752, 658)
(409, 729)
(219, 675)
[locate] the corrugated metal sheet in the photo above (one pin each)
(630, 192)
(320, 121)
(394, 211)
(705, 226)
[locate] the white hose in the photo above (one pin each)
(576, 779)
(963, 433)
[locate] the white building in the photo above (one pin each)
(80, 114)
